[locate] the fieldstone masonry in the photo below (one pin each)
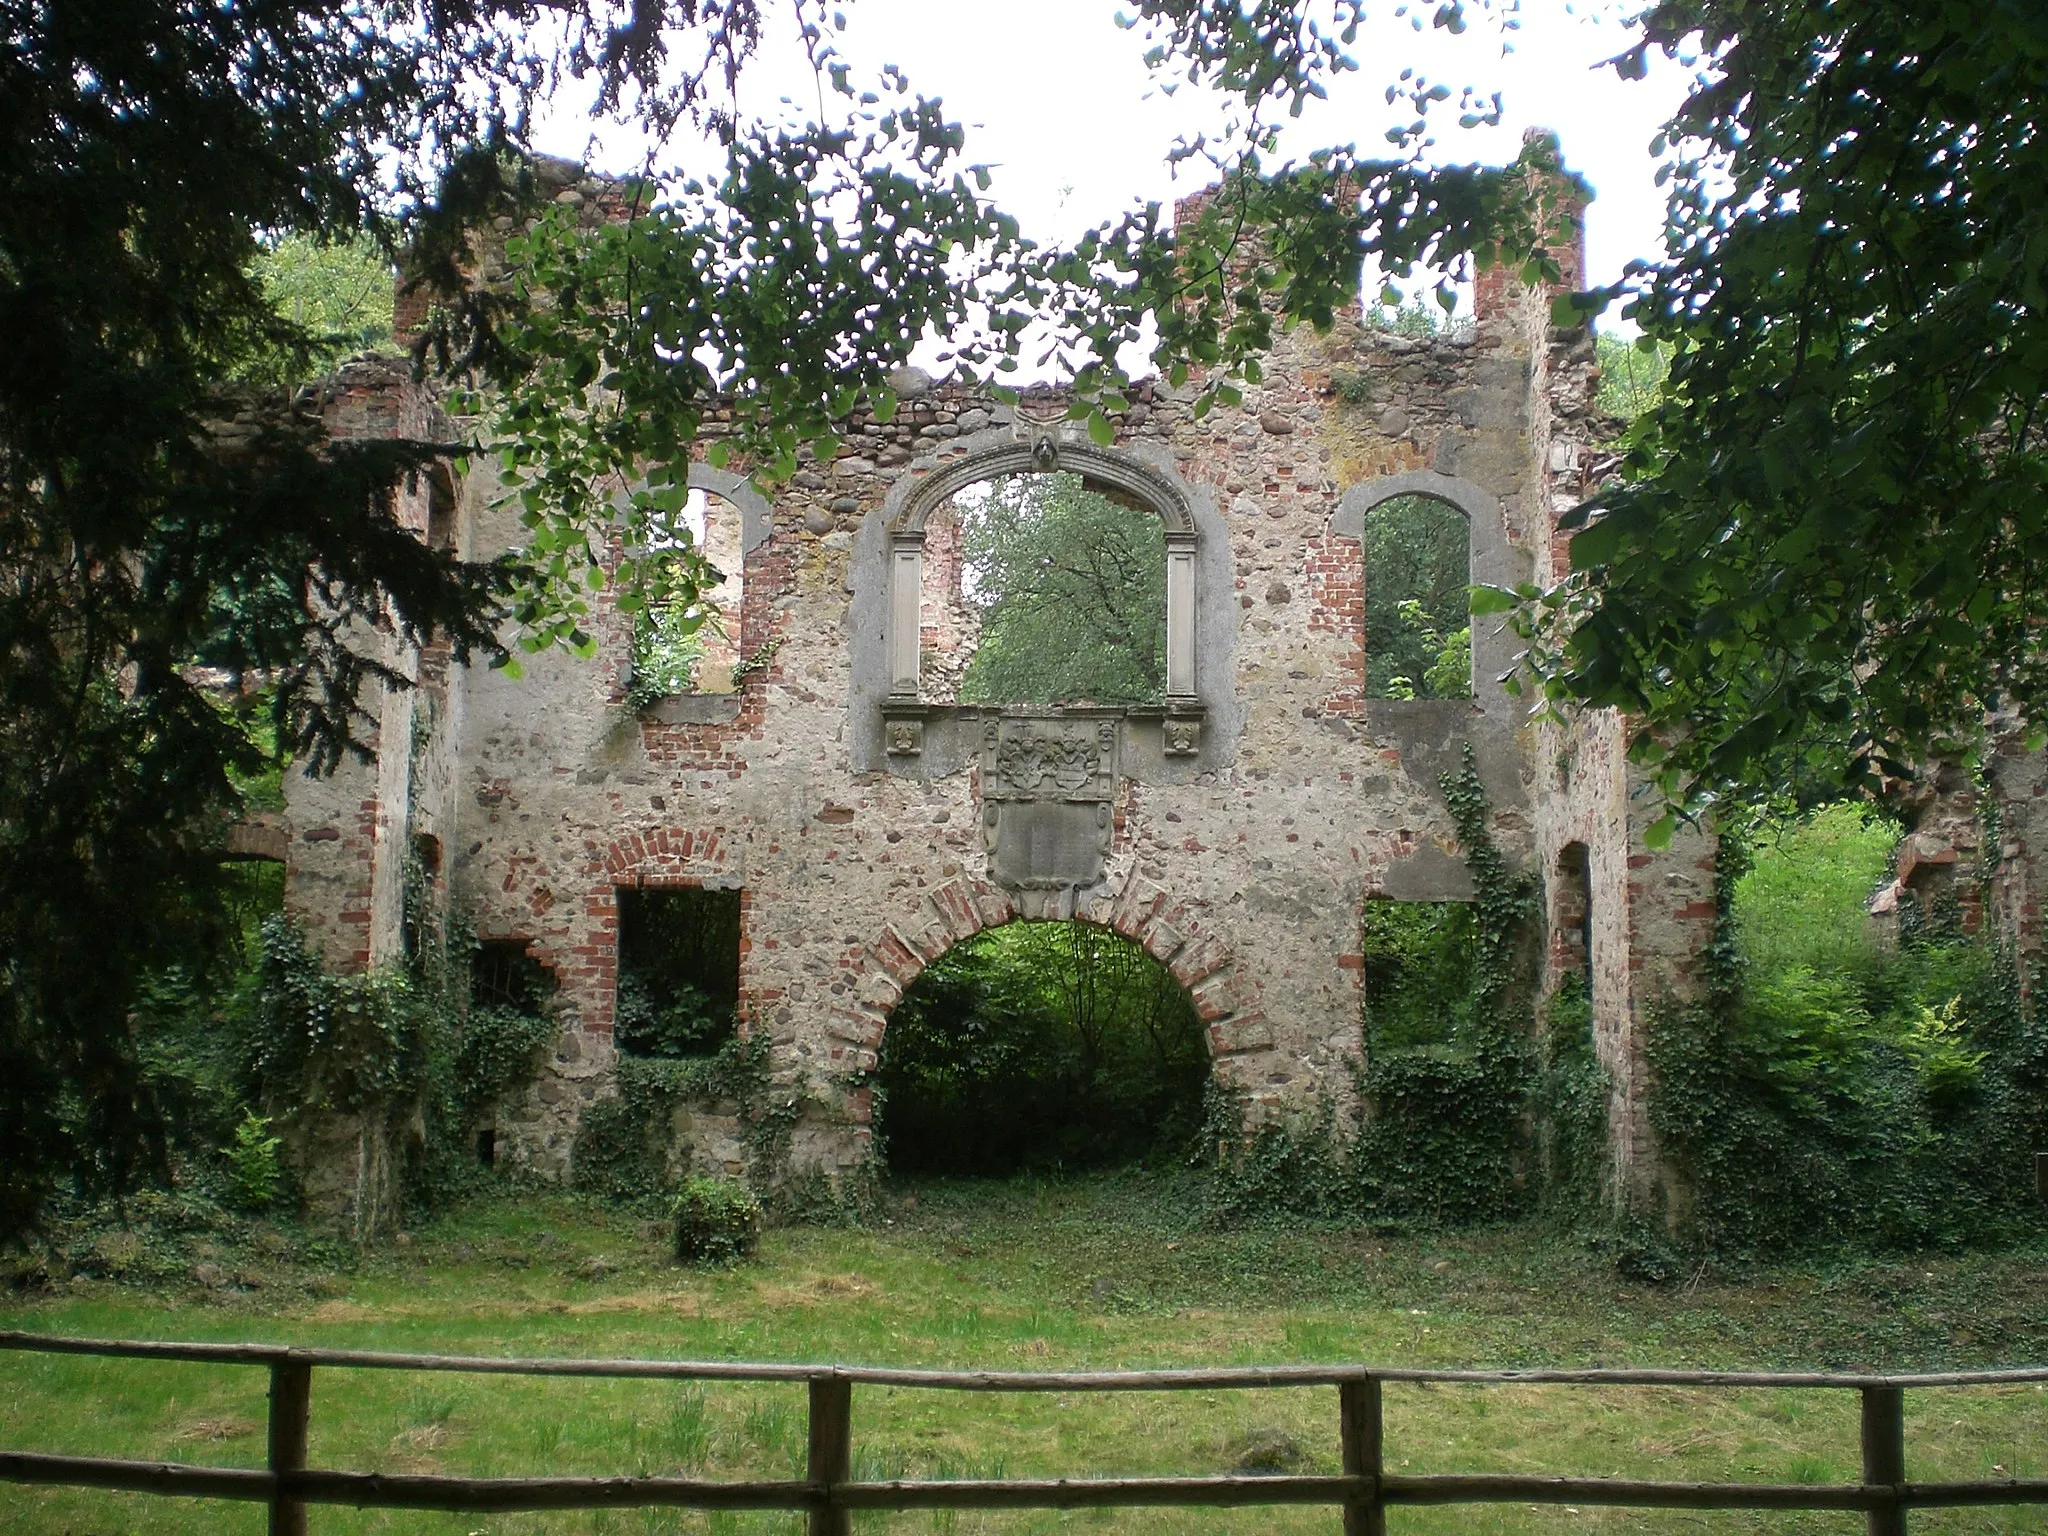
(871, 822)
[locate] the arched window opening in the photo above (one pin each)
(679, 971)
(1418, 602)
(1040, 1046)
(687, 639)
(1420, 961)
(1038, 589)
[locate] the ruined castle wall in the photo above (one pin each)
(1241, 828)
(1243, 867)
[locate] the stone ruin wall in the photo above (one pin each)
(1241, 863)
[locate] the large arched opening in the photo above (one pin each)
(1038, 1047)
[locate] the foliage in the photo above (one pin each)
(1631, 377)
(667, 645)
(153, 509)
(497, 1052)
(337, 292)
(334, 1044)
(255, 1174)
(1040, 1045)
(1070, 588)
(1417, 978)
(625, 1144)
(1801, 898)
(1453, 1076)
(150, 511)
(1418, 625)
(679, 971)
(687, 1024)
(1823, 556)
(402, 1054)
(716, 1222)
(1570, 1095)
(1833, 1096)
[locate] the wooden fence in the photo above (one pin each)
(1364, 1489)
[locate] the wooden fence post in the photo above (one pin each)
(831, 1451)
(291, 1396)
(1361, 1428)
(1884, 1454)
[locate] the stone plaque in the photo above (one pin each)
(1047, 785)
(1049, 845)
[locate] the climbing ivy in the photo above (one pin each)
(627, 1148)
(1447, 1131)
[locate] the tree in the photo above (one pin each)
(1827, 552)
(1071, 588)
(338, 291)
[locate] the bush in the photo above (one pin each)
(717, 1222)
(1830, 1094)
(255, 1174)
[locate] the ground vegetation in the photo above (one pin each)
(1834, 1093)
(1031, 1274)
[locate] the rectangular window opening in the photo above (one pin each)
(679, 971)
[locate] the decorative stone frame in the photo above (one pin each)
(1490, 561)
(1122, 479)
(898, 731)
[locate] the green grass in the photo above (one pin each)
(1109, 1272)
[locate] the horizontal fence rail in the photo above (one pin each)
(829, 1494)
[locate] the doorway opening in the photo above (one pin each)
(1040, 1047)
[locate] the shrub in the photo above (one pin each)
(255, 1173)
(717, 1222)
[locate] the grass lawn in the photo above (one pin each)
(1103, 1273)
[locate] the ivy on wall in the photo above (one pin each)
(1491, 1117)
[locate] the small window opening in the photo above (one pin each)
(679, 971)
(487, 1146)
(440, 509)
(1420, 965)
(689, 641)
(504, 974)
(1039, 590)
(1572, 944)
(1418, 600)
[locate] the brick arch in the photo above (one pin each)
(880, 969)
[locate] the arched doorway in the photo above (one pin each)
(1040, 1046)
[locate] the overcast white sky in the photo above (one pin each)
(1058, 100)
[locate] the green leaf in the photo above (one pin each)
(1489, 600)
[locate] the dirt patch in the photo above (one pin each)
(227, 1427)
(842, 1285)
